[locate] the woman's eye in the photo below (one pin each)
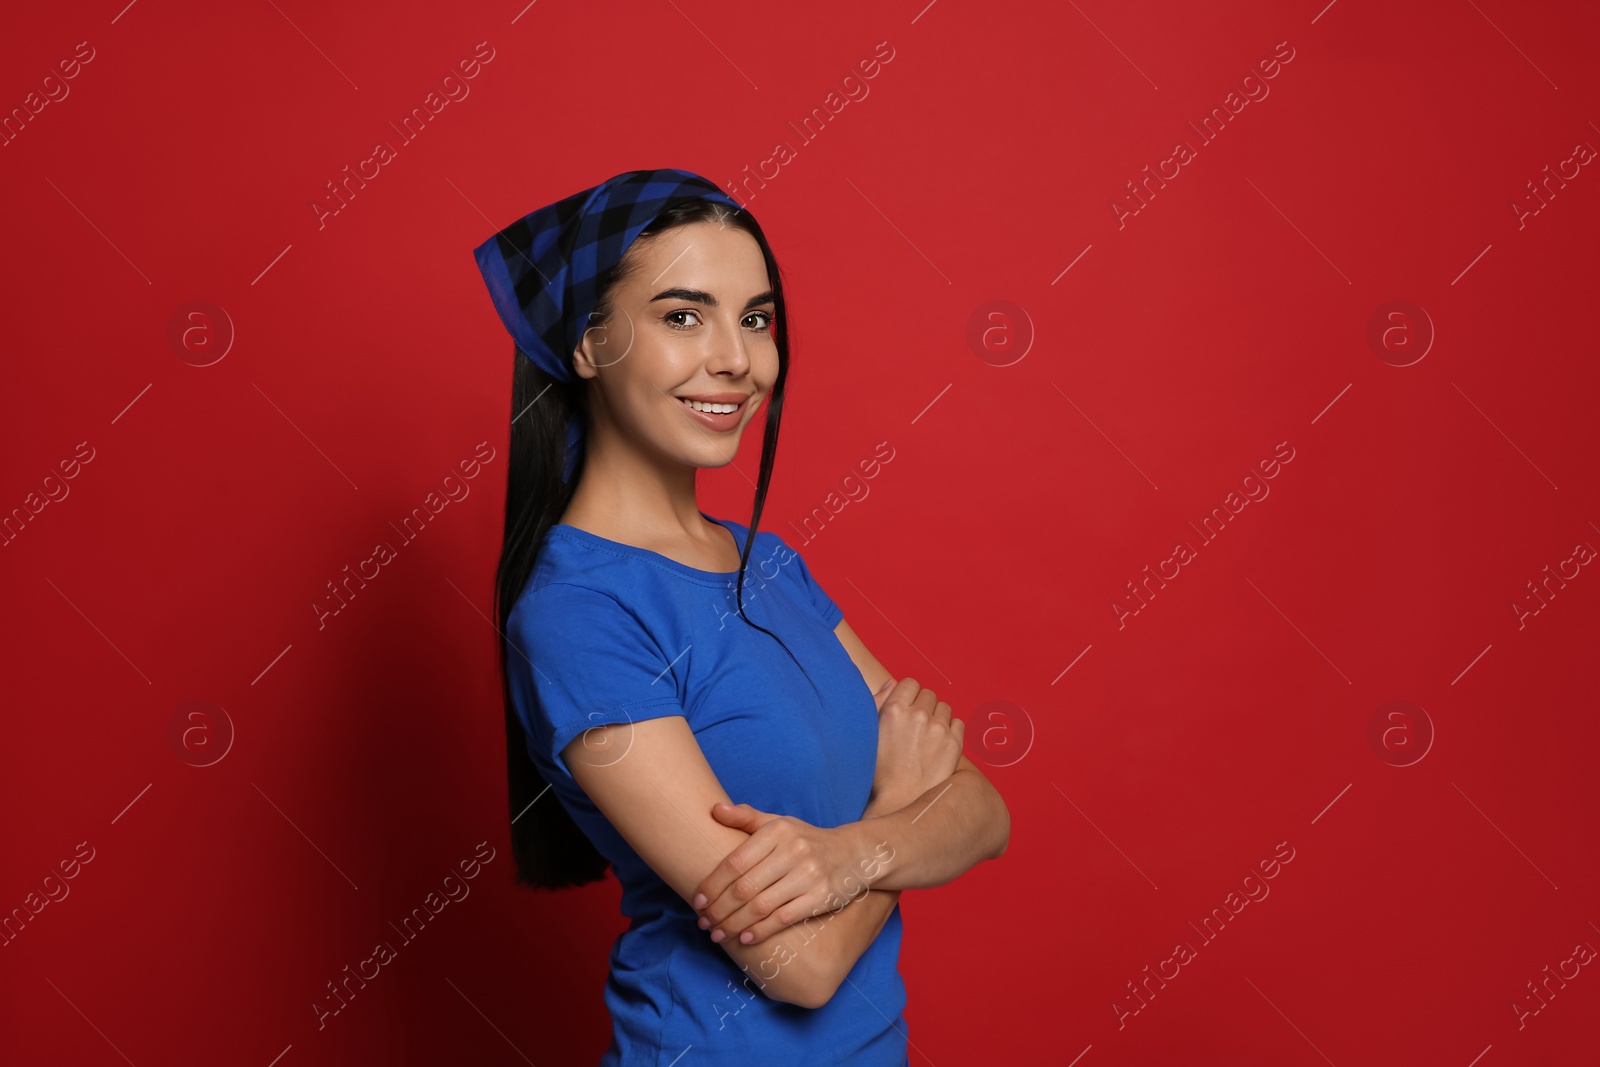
(673, 321)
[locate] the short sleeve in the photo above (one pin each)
(829, 612)
(592, 662)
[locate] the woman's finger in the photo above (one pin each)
(739, 816)
(773, 883)
(763, 868)
(779, 906)
(816, 909)
(714, 887)
(905, 690)
(742, 891)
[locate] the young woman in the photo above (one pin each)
(653, 675)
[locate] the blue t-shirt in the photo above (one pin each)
(614, 633)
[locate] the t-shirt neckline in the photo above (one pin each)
(594, 540)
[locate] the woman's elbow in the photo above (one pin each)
(793, 984)
(1005, 830)
(816, 991)
(813, 986)
(801, 991)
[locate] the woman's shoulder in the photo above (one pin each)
(767, 541)
(569, 583)
(551, 610)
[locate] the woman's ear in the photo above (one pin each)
(604, 343)
(583, 360)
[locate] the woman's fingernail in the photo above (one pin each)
(699, 901)
(747, 937)
(717, 936)
(705, 923)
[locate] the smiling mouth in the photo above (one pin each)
(726, 414)
(711, 408)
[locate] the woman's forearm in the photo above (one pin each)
(826, 946)
(855, 927)
(932, 840)
(943, 833)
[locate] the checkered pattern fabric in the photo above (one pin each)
(542, 269)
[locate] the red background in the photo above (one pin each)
(1139, 387)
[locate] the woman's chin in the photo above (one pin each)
(714, 462)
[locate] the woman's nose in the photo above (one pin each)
(728, 351)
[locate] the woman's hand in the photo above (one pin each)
(919, 744)
(791, 871)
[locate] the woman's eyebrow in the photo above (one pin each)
(700, 296)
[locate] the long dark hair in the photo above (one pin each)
(548, 848)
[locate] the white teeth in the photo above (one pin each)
(714, 409)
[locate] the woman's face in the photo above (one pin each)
(692, 320)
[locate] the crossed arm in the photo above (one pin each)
(963, 821)
(661, 803)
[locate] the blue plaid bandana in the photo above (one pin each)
(542, 270)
